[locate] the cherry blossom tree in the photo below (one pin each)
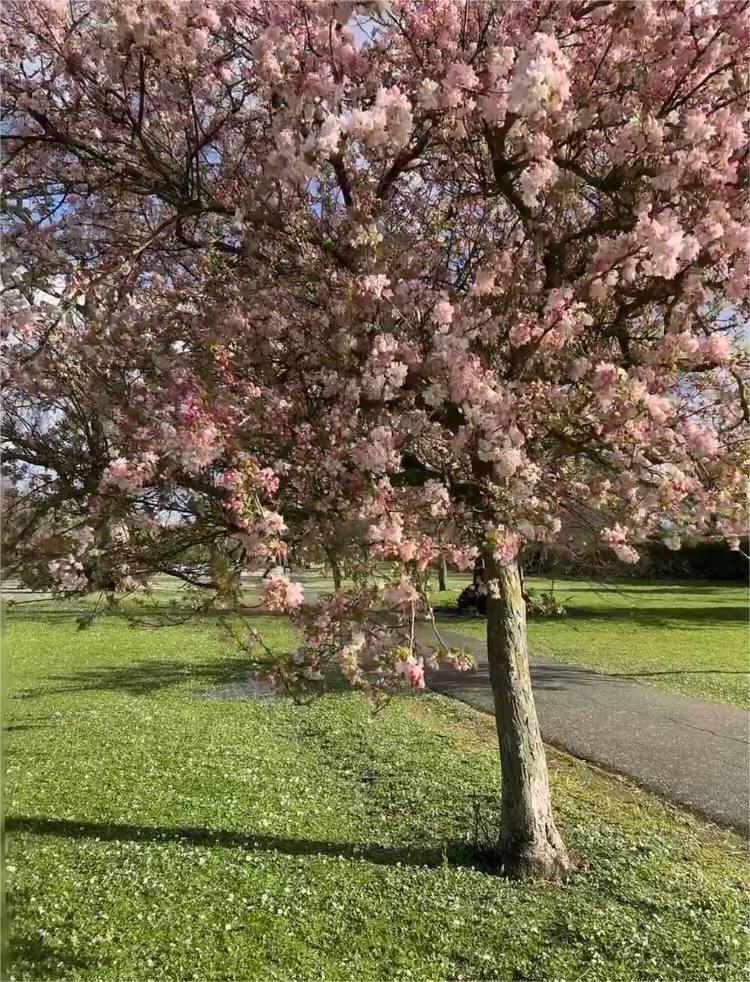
(416, 279)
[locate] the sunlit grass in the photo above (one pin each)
(687, 637)
(156, 833)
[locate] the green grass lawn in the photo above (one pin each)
(155, 833)
(688, 637)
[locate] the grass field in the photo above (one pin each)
(688, 637)
(155, 833)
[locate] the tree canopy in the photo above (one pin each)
(413, 278)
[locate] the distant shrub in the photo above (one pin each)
(706, 560)
(472, 598)
(543, 604)
(711, 560)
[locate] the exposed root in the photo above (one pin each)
(535, 860)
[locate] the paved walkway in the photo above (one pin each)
(694, 753)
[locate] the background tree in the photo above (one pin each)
(481, 263)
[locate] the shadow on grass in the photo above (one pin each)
(455, 853)
(224, 678)
(232, 678)
(677, 671)
(685, 618)
(47, 962)
(555, 676)
(636, 588)
(27, 953)
(142, 677)
(148, 617)
(696, 618)
(15, 727)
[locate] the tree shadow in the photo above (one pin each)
(634, 588)
(142, 677)
(15, 727)
(550, 676)
(677, 671)
(457, 853)
(47, 962)
(224, 678)
(687, 618)
(691, 618)
(27, 953)
(158, 616)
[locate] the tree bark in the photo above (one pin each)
(529, 843)
(442, 574)
(478, 576)
(335, 568)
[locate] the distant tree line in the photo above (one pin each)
(706, 560)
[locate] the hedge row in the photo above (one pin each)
(710, 560)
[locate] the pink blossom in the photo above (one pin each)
(389, 532)
(412, 670)
(507, 462)
(268, 480)
(664, 241)
(84, 539)
(699, 439)
(603, 380)
(659, 408)
(738, 284)
(398, 113)
(389, 120)
(428, 93)
(271, 522)
(377, 453)
(521, 332)
(199, 446)
(402, 592)
(459, 78)
(484, 282)
(436, 497)
(506, 546)
(129, 475)
(367, 272)
(537, 177)
(716, 349)
(540, 81)
(697, 128)
(462, 661)
(443, 312)
(329, 134)
(378, 285)
(500, 61)
(625, 554)
(615, 538)
(464, 558)
(280, 594)
(67, 575)
(613, 535)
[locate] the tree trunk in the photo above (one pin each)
(442, 573)
(335, 568)
(529, 843)
(478, 576)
